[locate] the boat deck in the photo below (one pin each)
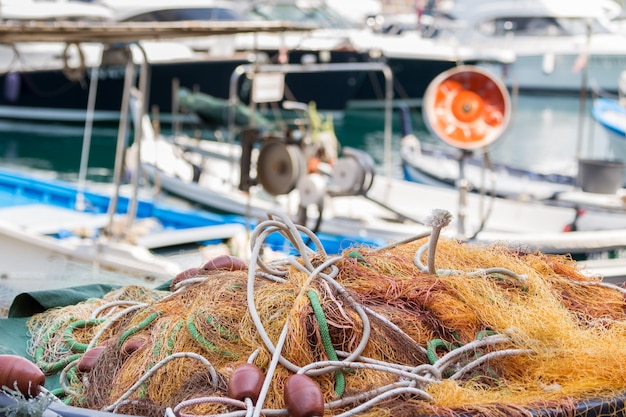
(48, 220)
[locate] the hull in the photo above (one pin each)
(411, 77)
(562, 73)
(611, 115)
(50, 95)
(390, 210)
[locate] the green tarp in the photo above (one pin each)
(14, 333)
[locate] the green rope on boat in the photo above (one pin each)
(52, 368)
(145, 323)
(360, 259)
(195, 334)
(68, 338)
(68, 334)
(221, 330)
(340, 380)
(433, 345)
(39, 353)
(173, 336)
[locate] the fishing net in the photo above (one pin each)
(427, 326)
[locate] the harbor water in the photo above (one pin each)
(545, 133)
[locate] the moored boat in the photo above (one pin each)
(264, 171)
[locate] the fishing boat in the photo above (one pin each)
(344, 192)
(610, 112)
(560, 46)
(422, 326)
(48, 241)
(65, 229)
(46, 81)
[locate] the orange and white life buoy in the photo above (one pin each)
(467, 107)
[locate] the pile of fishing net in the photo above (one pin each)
(427, 326)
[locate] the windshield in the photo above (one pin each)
(319, 16)
(540, 26)
(174, 15)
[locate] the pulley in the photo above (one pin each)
(279, 166)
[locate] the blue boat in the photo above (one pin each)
(48, 242)
(611, 114)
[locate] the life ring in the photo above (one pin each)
(467, 107)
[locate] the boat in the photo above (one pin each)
(343, 193)
(332, 39)
(49, 242)
(560, 46)
(21, 57)
(52, 83)
(389, 330)
(66, 229)
(611, 114)
(407, 54)
(610, 111)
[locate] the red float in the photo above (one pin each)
(181, 276)
(246, 382)
(225, 262)
(303, 397)
(133, 344)
(87, 362)
(16, 369)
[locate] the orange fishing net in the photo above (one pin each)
(378, 331)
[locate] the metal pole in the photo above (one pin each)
(141, 112)
(121, 144)
(84, 157)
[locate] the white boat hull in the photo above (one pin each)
(392, 209)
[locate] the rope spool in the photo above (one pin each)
(467, 107)
(279, 167)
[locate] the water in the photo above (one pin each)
(543, 133)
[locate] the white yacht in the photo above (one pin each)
(560, 45)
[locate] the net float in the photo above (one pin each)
(303, 397)
(246, 382)
(18, 372)
(89, 359)
(181, 276)
(225, 262)
(133, 344)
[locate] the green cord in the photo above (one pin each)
(145, 323)
(68, 338)
(172, 339)
(221, 330)
(340, 380)
(360, 259)
(68, 334)
(195, 334)
(433, 345)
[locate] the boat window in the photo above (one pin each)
(290, 12)
(174, 15)
(539, 26)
